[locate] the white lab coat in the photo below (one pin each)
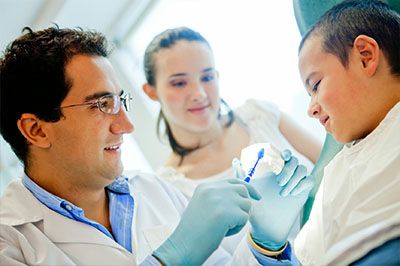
(357, 207)
(32, 234)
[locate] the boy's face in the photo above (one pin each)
(336, 94)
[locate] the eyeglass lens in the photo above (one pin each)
(111, 104)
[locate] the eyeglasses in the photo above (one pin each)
(108, 104)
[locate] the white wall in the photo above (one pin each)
(255, 45)
(254, 42)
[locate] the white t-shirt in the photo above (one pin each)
(261, 120)
(357, 206)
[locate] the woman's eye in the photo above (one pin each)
(207, 78)
(178, 83)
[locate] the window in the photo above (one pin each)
(255, 46)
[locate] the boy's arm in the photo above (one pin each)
(287, 257)
(386, 254)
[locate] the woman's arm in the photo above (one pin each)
(301, 140)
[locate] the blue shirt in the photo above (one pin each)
(120, 204)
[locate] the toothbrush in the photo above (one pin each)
(252, 170)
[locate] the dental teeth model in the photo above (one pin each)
(270, 160)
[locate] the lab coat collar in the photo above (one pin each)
(25, 208)
(53, 224)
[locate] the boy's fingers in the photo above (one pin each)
(305, 185)
(287, 171)
(286, 155)
(298, 175)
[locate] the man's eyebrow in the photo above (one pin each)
(100, 94)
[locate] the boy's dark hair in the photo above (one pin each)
(165, 40)
(33, 80)
(341, 25)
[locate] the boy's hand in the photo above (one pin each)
(283, 196)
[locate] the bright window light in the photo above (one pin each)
(255, 46)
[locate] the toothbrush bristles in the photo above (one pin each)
(260, 153)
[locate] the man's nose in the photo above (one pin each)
(122, 124)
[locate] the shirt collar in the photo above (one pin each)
(120, 185)
(50, 200)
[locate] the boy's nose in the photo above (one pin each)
(313, 108)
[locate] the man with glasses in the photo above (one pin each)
(109, 103)
(61, 113)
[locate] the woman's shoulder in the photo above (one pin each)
(259, 110)
(169, 173)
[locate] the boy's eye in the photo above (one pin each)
(207, 78)
(178, 83)
(315, 86)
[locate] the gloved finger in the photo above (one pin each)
(298, 175)
(287, 171)
(237, 168)
(241, 221)
(305, 186)
(234, 231)
(286, 155)
(243, 199)
(253, 193)
(244, 204)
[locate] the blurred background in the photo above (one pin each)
(254, 43)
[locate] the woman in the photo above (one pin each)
(203, 132)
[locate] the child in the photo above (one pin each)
(349, 62)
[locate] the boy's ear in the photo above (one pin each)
(368, 51)
(33, 129)
(150, 91)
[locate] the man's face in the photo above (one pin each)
(336, 94)
(87, 142)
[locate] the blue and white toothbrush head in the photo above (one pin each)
(260, 155)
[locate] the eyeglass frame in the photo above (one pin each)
(121, 100)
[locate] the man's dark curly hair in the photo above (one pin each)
(33, 80)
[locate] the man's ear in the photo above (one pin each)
(33, 130)
(367, 50)
(150, 91)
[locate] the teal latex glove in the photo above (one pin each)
(217, 209)
(283, 196)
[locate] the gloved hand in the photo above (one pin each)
(217, 209)
(283, 196)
